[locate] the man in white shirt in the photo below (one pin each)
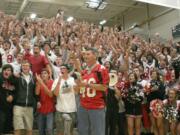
(66, 105)
(17, 64)
(56, 67)
(7, 52)
(48, 52)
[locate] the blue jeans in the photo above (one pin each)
(45, 123)
(91, 122)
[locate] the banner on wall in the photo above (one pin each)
(166, 3)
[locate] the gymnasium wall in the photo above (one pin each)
(163, 21)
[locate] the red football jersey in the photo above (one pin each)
(90, 98)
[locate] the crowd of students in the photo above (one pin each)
(64, 72)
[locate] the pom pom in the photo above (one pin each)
(156, 106)
(170, 113)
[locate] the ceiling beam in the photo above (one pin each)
(125, 5)
(81, 3)
(22, 7)
(60, 2)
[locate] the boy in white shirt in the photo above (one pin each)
(63, 89)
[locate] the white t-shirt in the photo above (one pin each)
(66, 99)
(17, 67)
(7, 56)
(56, 71)
(148, 68)
(27, 77)
(52, 57)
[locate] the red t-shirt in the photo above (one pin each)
(37, 63)
(47, 103)
(94, 99)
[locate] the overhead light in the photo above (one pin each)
(96, 4)
(102, 5)
(69, 19)
(33, 16)
(134, 26)
(102, 22)
(93, 3)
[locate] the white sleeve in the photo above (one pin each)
(144, 83)
(144, 65)
(1, 51)
(54, 84)
(73, 82)
(108, 58)
(178, 102)
(121, 59)
(165, 101)
(169, 58)
(13, 51)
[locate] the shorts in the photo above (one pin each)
(63, 120)
(23, 118)
(133, 109)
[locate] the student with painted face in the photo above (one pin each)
(7, 91)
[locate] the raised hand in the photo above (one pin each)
(40, 81)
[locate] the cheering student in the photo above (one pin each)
(37, 61)
(144, 83)
(121, 85)
(112, 107)
(171, 109)
(17, 64)
(8, 52)
(7, 91)
(63, 89)
(46, 104)
(24, 101)
(156, 95)
(133, 105)
(94, 84)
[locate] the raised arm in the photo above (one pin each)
(41, 83)
(57, 87)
